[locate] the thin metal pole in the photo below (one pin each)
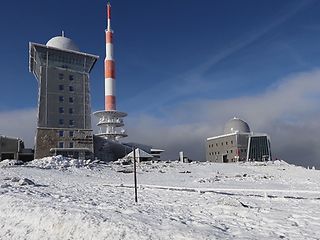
(135, 175)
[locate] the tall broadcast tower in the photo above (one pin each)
(110, 120)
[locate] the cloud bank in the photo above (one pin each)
(20, 124)
(287, 111)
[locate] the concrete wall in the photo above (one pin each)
(219, 147)
(56, 103)
(48, 138)
(227, 148)
(13, 148)
(9, 147)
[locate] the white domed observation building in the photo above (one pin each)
(238, 143)
(64, 107)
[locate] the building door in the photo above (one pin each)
(225, 158)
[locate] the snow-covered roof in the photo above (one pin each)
(236, 125)
(156, 150)
(139, 154)
(63, 43)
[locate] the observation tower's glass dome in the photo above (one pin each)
(63, 43)
(236, 125)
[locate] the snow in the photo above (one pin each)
(60, 198)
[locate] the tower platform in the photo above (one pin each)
(109, 122)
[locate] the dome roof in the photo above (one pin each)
(63, 43)
(236, 125)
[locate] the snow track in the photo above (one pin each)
(271, 193)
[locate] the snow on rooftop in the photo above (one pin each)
(63, 43)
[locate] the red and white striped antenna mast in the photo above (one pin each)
(110, 119)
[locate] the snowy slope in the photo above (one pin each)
(71, 199)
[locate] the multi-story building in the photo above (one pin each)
(64, 108)
(238, 143)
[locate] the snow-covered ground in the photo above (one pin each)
(69, 199)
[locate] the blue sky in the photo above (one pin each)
(175, 57)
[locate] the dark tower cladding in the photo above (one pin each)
(64, 108)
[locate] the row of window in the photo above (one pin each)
(228, 151)
(65, 59)
(217, 144)
(61, 88)
(54, 57)
(61, 110)
(61, 99)
(71, 122)
(61, 77)
(62, 145)
(214, 153)
(217, 153)
(62, 133)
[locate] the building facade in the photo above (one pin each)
(238, 143)
(64, 108)
(13, 148)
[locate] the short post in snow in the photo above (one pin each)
(135, 175)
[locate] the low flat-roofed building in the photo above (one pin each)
(238, 143)
(13, 148)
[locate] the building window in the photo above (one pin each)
(217, 144)
(70, 110)
(61, 133)
(61, 87)
(71, 100)
(222, 144)
(71, 134)
(61, 121)
(61, 110)
(231, 142)
(71, 89)
(71, 145)
(227, 151)
(61, 145)
(61, 76)
(61, 98)
(226, 143)
(71, 77)
(71, 123)
(231, 151)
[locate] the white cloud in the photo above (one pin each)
(288, 112)
(19, 123)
